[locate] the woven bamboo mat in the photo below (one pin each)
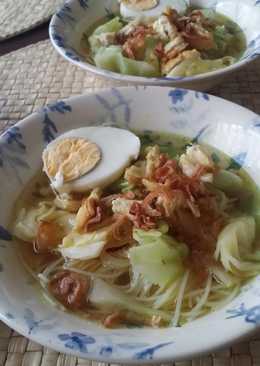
(18, 16)
(37, 75)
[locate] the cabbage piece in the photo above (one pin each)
(26, 223)
(158, 258)
(111, 58)
(235, 242)
(228, 182)
(83, 246)
(113, 25)
(150, 236)
(108, 297)
(191, 67)
(158, 263)
(98, 41)
(25, 226)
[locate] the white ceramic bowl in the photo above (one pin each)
(69, 23)
(228, 127)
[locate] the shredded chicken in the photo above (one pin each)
(173, 48)
(185, 37)
(197, 37)
(175, 38)
(159, 50)
(135, 174)
(122, 206)
(154, 159)
(150, 185)
(129, 28)
(140, 218)
(172, 185)
(67, 202)
(196, 161)
(169, 64)
(193, 28)
(163, 202)
(165, 28)
(106, 39)
(134, 44)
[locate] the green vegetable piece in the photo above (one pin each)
(108, 58)
(215, 158)
(83, 246)
(111, 58)
(235, 241)
(199, 66)
(228, 182)
(138, 68)
(235, 165)
(158, 258)
(151, 236)
(113, 25)
(222, 38)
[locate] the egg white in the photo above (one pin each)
(179, 5)
(118, 149)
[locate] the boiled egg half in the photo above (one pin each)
(89, 157)
(150, 8)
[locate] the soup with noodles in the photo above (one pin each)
(172, 239)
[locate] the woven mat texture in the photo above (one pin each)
(18, 16)
(37, 75)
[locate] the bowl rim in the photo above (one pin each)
(148, 80)
(231, 339)
(130, 361)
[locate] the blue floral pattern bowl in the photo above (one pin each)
(75, 16)
(202, 117)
